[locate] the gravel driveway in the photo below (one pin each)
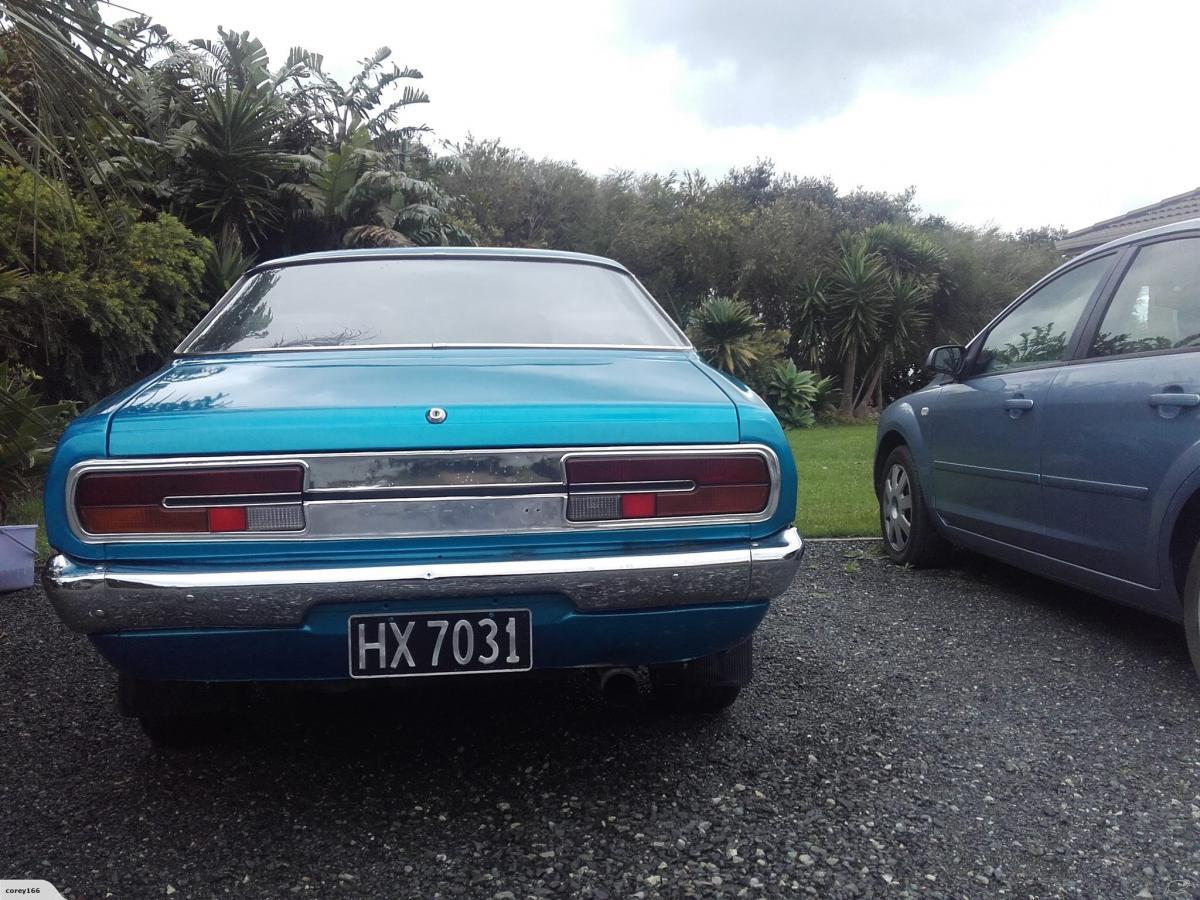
(967, 733)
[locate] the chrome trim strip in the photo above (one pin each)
(184, 501)
(103, 597)
(660, 348)
(987, 472)
(434, 468)
(1129, 491)
(433, 516)
(543, 471)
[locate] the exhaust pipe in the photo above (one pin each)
(619, 686)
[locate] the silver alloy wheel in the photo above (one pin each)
(897, 508)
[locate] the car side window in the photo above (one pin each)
(1039, 330)
(1157, 305)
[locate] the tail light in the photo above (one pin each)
(664, 487)
(191, 501)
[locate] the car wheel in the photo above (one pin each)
(183, 732)
(695, 699)
(176, 714)
(704, 686)
(909, 535)
(1191, 608)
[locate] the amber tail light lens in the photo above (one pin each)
(650, 487)
(191, 501)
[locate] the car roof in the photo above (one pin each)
(1185, 225)
(511, 253)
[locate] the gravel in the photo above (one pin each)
(971, 732)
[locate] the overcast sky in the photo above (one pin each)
(1012, 112)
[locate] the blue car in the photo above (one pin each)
(1065, 438)
(385, 464)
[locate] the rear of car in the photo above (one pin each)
(378, 465)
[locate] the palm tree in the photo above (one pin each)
(907, 250)
(233, 146)
(356, 197)
(902, 326)
(62, 95)
(810, 310)
(858, 292)
(726, 333)
(365, 103)
(916, 266)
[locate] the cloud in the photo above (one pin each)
(789, 62)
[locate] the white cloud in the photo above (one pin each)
(1091, 117)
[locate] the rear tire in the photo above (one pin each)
(1191, 608)
(696, 699)
(909, 536)
(704, 686)
(177, 715)
(183, 732)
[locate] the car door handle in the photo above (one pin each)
(1174, 399)
(1018, 403)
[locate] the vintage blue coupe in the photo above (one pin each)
(392, 463)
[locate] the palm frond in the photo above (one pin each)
(374, 236)
(76, 65)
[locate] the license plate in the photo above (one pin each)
(460, 643)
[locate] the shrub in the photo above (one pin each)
(27, 432)
(105, 298)
(791, 392)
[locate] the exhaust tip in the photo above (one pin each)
(619, 686)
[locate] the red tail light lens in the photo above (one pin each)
(656, 487)
(191, 501)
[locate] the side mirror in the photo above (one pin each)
(946, 360)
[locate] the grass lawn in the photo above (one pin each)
(836, 498)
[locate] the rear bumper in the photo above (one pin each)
(316, 651)
(99, 598)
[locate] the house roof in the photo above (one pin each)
(1164, 212)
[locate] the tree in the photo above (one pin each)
(63, 87)
(915, 269)
(352, 198)
(727, 334)
(858, 294)
(103, 300)
(808, 337)
(366, 102)
(901, 329)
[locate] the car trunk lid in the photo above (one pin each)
(330, 401)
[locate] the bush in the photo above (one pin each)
(106, 297)
(791, 393)
(27, 432)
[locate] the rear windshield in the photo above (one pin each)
(422, 302)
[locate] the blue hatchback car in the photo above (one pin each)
(1065, 438)
(371, 465)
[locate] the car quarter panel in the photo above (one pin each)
(758, 425)
(909, 418)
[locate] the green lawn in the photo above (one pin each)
(836, 498)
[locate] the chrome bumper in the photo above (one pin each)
(101, 597)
